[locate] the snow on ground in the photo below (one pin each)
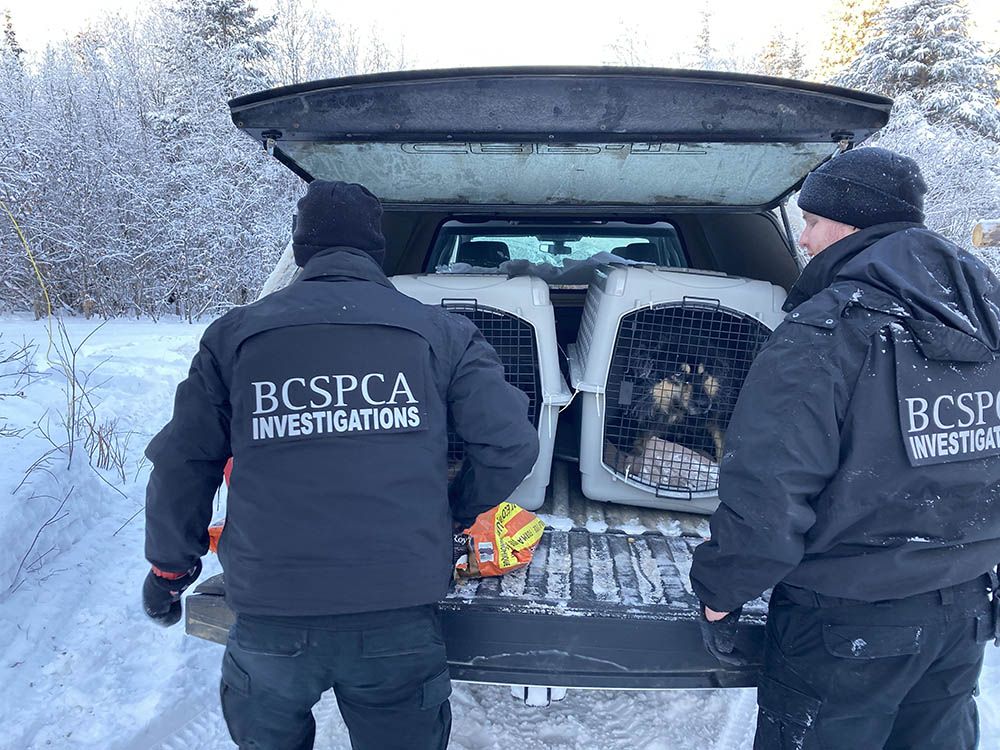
(81, 667)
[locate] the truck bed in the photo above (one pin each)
(605, 603)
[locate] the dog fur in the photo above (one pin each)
(682, 398)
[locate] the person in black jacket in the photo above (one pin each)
(333, 397)
(861, 478)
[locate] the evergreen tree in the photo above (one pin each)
(772, 58)
(9, 46)
(795, 63)
(224, 40)
(705, 57)
(924, 49)
(850, 26)
(779, 58)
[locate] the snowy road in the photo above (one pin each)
(81, 667)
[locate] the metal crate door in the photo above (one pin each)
(676, 372)
(514, 341)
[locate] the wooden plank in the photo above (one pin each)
(986, 233)
(208, 617)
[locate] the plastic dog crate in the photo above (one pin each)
(515, 316)
(659, 362)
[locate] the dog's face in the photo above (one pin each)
(691, 390)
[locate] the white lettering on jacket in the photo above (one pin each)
(293, 390)
(334, 403)
(974, 405)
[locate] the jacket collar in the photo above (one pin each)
(344, 263)
(823, 269)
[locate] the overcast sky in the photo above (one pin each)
(439, 33)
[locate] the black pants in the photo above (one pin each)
(387, 669)
(856, 676)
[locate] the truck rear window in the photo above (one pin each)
(502, 247)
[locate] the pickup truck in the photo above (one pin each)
(573, 161)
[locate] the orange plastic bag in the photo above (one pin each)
(215, 528)
(214, 532)
(500, 540)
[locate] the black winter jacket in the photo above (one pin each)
(333, 396)
(863, 458)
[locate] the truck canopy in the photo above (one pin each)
(561, 136)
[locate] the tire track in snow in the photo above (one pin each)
(206, 730)
(738, 729)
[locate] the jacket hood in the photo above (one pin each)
(948, 299)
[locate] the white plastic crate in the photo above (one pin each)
(515, 316)
(659, 360)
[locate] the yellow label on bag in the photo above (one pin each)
(509, 533)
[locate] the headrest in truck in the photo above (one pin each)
(483, 253)
(643, 252)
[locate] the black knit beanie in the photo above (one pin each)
(864, 187)
(337, 214)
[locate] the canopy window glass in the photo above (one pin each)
(625, 174)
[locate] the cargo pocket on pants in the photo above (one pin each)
(234, 677)
(786, 717)
(435, 691)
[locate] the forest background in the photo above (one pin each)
(125, 187)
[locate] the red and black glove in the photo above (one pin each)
(161, 593)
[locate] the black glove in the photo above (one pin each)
(161, 596)
(720, 637)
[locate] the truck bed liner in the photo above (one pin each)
(606, 602)
(599, 558)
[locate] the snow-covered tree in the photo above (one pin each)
(961, 168)
(795, 61)
(231, 34)
(705, 57)
(779, 57)
(850, 25)
(306, 43)
(630, 47)
(16, 169)
(133, 190)
(132, 187)
(377, 56)
(8, 39)
(923, 49)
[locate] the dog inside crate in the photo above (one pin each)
(675, 375)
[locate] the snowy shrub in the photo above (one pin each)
(961, 168)
(125, 188)
(17, 370)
